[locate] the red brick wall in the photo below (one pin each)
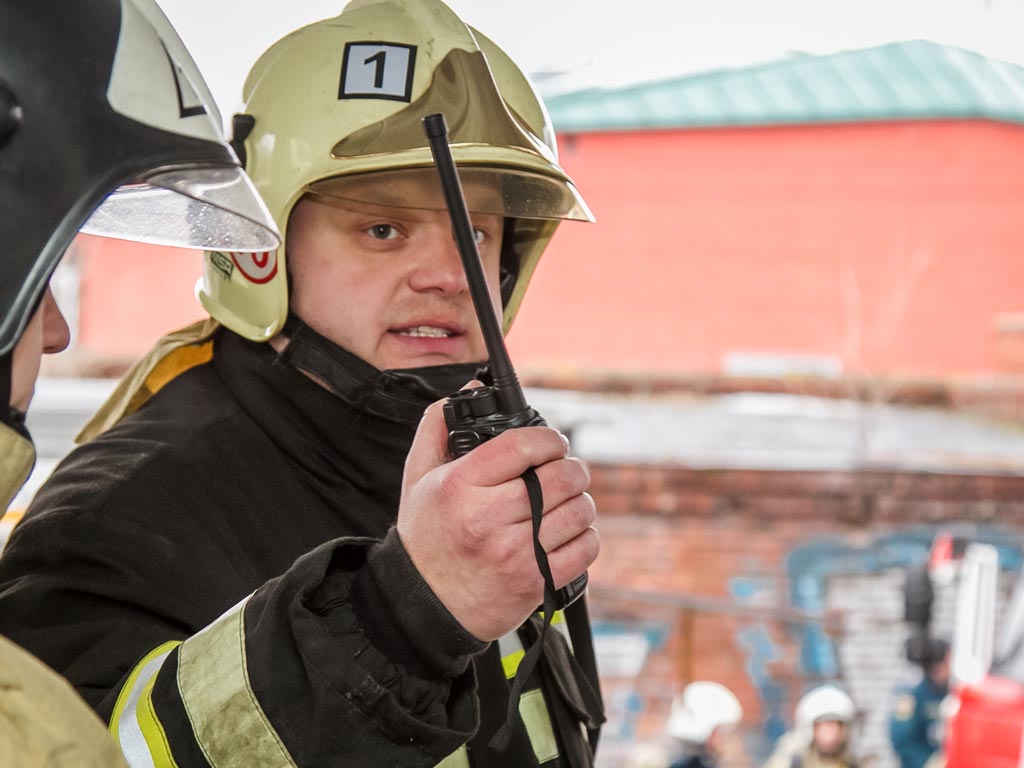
(675, 540)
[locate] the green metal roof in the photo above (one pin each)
(909, 80)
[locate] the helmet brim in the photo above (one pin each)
(508, 192)
(202, 208)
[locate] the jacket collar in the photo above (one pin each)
(399, 395)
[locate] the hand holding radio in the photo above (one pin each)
(477, 415)
(467, 526)
(484, 420)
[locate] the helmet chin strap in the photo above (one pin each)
(396, 395)
(17, 454)
(510, 261)
(10, 113)
(241, 126)
(8, 414)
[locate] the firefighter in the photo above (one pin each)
(822, 734)
(268, 556)
(915, 719)
(69, 135)
(701, 721)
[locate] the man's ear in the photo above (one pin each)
(508, 269)
(241, 126)
(10, 113)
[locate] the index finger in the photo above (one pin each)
(510, 454)
(430, 444)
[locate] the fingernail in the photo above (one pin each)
(564, 440)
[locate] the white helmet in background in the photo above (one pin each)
(702, 707)
(824, 703)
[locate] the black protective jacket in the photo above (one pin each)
(186, 572)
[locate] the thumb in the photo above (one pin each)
(430, 446)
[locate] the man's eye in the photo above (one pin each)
(383, 232)
(479, 235)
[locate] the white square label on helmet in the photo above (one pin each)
(377, 71)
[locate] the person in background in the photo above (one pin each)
(80, 149)
(914, 720)
(822, 733)
(702, 720)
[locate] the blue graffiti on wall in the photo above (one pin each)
(625, 707)
(808, 567)
(761, 651)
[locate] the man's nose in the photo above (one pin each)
(438, 265)
(56, 334)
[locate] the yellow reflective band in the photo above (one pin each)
(512, 649)
(534, 711)
(457, 759)
(174, 354)
(213, 681)
(511, 663)
(175, 364)
(133, 723)
(152, 730)
(558, 617)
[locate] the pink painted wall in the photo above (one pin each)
(131, 294)
(890, 245)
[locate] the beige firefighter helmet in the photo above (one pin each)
(345, 97)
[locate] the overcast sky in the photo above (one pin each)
(613, 43)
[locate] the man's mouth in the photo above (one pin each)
(425, 332)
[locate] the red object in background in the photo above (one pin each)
(988, 727)
(985, 710)
(941, 553)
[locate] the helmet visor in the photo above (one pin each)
(498, 191)
(203, 208)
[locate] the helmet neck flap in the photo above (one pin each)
(17, 453)
(397, 395)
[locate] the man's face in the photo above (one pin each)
(939, 671)
(721, 741)
(386, 283)
(47, 332)
(829, 737)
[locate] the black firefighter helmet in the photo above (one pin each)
(100, 103)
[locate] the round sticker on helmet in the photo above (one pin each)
(256, 267)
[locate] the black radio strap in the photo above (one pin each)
(571, 697)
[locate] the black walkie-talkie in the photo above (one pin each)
(476, 415)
